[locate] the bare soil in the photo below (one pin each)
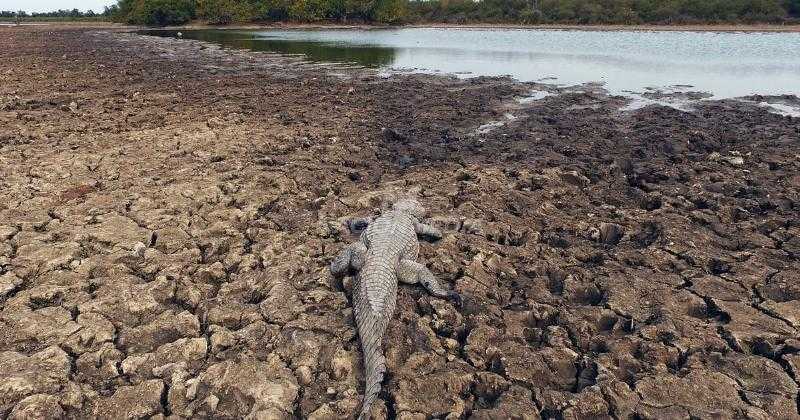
(168, 211)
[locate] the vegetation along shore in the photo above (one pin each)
(629, 12)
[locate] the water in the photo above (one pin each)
(724, 64)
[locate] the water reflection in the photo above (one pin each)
(725, 64)
(316, 51)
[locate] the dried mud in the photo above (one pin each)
(168, 211)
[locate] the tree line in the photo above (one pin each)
(609, 11)
(221, 12)
(60, 14)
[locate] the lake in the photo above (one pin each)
(724, 64)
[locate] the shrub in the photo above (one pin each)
(275, 10)
(530, 16)
(390, 11)
(223, 12)
(161, 12)
(308, 10)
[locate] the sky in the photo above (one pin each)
(48, 5)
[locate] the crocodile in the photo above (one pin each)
(385, 253)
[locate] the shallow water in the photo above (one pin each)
(725, 64)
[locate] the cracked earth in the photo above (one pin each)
(168, 211)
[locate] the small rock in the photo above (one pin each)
(38, 406)
(610, 233)
(450, 344)
(139, 249)
(324, 412)
(214, 272)
(465, 175)
(443, 223)
(735, 160)
(594, 234)
(331, 391)
(405, 415)
(73, 106)
(6, 232)
(489, 385)
(135, 402)
(8, 282)
(304, 375)
(342, 364)
(215, 122)
(574, 178)
(472, 227)
(221, 340)
(269, 385)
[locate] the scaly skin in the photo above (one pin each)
(385, 253)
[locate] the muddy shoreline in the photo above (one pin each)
(168, 210)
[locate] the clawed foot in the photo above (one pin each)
(358, 225)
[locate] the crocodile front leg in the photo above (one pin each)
(350, 260)
(412, 272)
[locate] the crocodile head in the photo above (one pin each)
(410, 206)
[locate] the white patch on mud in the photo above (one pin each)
(534, 95)
(485, 128)
(779, 106)
(680, 97)
(491, 125)
(781, 109)
(639, 102)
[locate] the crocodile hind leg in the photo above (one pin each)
(350, 260)
(412, 272)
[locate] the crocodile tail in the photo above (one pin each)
(371, 332)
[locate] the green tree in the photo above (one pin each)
(762, 11)
(360, 9)
(160, 12)
(308, 10)
(270, 10)
(390, 11)
(223, 12)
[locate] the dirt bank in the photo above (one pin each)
(168, 211)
